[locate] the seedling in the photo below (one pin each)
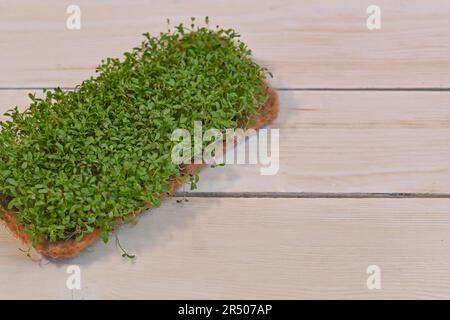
(77, 161)
(125, 254)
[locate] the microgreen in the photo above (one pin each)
(28, 254)
(78, 160)
(125, 254)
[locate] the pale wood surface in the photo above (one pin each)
(256, 248)
(306, 43)
(331, 142)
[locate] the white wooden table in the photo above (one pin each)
(364, 158)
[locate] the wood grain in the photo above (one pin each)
(256, 248)
(343, 142)
(304, 43)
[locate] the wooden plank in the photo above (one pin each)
(352, 142)
(256, 248)
(344, 142)
(304, 43)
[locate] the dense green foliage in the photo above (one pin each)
(77, 160)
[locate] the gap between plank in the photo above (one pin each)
(429, 89)
(312, 195)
